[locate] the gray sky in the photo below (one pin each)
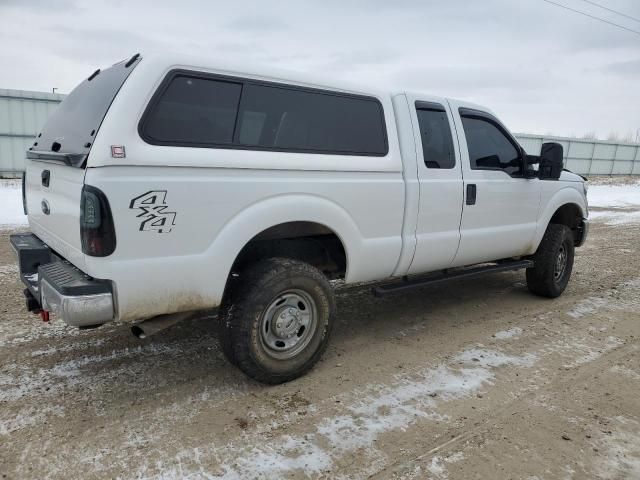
(541, 68)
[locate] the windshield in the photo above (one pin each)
(72, 127)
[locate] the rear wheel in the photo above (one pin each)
(278, 319)
(553, 262)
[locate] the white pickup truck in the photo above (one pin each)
(167, 185)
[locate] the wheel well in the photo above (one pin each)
(309, 242)
(570, 215)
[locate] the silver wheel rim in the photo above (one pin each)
(561, 263)
(288, 324)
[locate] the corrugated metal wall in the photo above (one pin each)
(23, 113)
(589, 157)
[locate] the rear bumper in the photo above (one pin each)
(59, 287)
(583, 232)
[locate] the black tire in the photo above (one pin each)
(550, 274)
(260, 314)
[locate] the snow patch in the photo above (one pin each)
(580, 352)
(614, 195)
(363, 417)
(595, 353)
(290, 456)
(68, 348)
(622, 455)
(623, 296)
(387, 408)
(11, 213)
(29, 417)
(16, 381)
(620, 201)
(514, 332)
(437, 467)
(616, 217)
(588, 306)
(27, 332)
(494, 358)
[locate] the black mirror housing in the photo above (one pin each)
(550, 161)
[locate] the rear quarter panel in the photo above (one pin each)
(210, 214)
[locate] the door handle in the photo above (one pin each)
(471, 193)
(45, 176)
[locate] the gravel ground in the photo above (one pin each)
(472, 379)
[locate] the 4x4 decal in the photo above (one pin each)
(152, 206)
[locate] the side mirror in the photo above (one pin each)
(550, 161)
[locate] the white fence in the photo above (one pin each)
(589, 157)
(22, 115)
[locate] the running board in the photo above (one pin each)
(470, 272)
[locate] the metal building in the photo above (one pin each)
(23, 113)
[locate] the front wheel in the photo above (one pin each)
(553, 262)
(279, 320)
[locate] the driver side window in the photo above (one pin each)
(489, 147)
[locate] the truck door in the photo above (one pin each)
(440, 180)
(500, 205)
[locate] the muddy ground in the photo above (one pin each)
(472, 379)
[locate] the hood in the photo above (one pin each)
(569, 176)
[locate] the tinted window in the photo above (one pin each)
(302, 120)
(195, 111)
(437, 143)
(75, 121)
(489, 147)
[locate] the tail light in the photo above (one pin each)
(97, 232)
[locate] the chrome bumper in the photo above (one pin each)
(77, 310)
(583, 232)
(55, 285)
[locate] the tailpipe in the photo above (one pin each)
(155, 324)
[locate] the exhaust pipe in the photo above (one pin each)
(155, 324)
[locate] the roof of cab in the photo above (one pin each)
(430, 97)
